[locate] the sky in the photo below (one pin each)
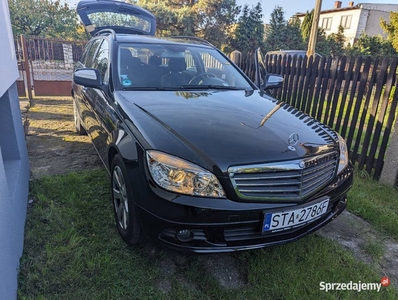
(290, 6)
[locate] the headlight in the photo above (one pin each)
(180, 176)
(343, 154)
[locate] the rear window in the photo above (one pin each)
(112, 19)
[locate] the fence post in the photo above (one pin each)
(68, 56)
(389, 175)
(26, 66)
(236, 57)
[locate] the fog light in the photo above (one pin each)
(184, 235)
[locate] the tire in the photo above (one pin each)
(77, 122)
(126, 216)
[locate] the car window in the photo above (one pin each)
(119, 19)
(83, 57)
(101, 60)
(175, 67)
(220, 69)
(88, 60)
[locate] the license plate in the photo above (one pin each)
(284, 220)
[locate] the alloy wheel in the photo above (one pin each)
(120, 199)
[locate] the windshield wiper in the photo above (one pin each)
(208, 87)
(183, 87)
(148, 88)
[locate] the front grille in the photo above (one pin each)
(289, 180)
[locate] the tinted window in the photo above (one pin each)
(84, 54)
(88, 58)
(109, 19)
(101, 60)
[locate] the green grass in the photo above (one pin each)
(72, 251)
(375, 203)
(375, 249)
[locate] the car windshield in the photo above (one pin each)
(176, 67)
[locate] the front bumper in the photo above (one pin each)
(229, 226)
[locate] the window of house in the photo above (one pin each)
(346, 21)
(327, 23)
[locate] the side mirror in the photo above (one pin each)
(88, 77)
(272, 81)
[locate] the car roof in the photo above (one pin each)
(177, 40)
(287, 52)
(290, 52)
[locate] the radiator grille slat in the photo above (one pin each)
(289, 180)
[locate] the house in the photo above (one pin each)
(14, 164)
(355, 19)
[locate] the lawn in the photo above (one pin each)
(376, 203)
(72, 251)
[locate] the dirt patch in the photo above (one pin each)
(355, 234)
(53, 145)
(55, 148)
(225, 269)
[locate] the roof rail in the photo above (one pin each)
(194, 38)
(108, 30)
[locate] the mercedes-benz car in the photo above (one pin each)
(200, 158)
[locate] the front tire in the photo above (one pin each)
(126, 215)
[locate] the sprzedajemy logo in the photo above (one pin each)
(354, 286)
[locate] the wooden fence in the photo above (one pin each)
(355, 96)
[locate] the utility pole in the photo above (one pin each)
(314, 28)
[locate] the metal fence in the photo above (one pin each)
(46, 65)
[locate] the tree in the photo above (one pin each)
(325, 45)
(249, 31)
(391, 28)
(307, 24)
(282, 34)
(373, 46)
(212, 20)
(216, 19)
(336, 42)
(172, 17)
(44, 18)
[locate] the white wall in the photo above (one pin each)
(349, 33)
(365, 18)
(381, 7)
(14, 165)
(373, 25)
(9, 70)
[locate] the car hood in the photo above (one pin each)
(219, 129)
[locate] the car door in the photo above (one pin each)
(260, 69)
(266, 82)
(80, 92)
(100, 112)
(116, 15)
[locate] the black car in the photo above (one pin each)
(200, 158)
(301, 53)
